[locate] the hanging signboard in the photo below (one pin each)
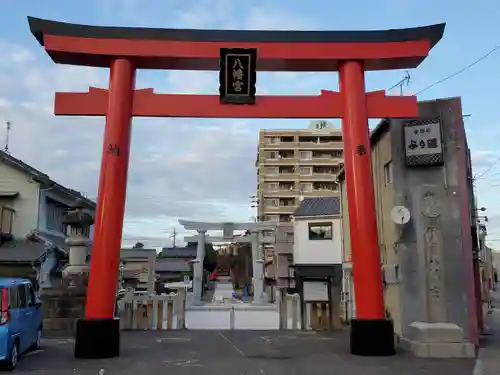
(423, 143)
(238, 75)
(315, 291)
(228, 231)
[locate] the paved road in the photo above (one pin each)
(488, 362)
(233, 353)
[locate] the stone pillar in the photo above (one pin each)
(78, 221)
(198, 268)
(434, 331)
(151, 273)
(257, 268)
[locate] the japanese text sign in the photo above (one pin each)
(238, 75)
(423, 143)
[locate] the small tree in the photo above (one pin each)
(210, 260)
(138, 245)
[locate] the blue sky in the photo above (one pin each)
(212, 160)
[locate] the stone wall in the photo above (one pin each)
(62, 306)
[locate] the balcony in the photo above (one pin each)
(279, 172)
(280, 209)
(325, 187)
(285, 186)
(280, 142)
(327, 155)
(321, 142)
(287, 202)
(286, 170)
(319, 173)
(280, 157)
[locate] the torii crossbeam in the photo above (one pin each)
(146, 103)
(125, 50)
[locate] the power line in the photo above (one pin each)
(461, 70)
(482, 174)
(404, 82)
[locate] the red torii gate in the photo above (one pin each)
(124, 50)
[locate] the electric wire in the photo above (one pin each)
(475, 62)
(488, 169)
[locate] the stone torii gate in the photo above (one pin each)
(228, 229)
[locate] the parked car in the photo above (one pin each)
(21, 320)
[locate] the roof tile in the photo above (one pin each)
(318, 206)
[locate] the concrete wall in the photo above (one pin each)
(306, 251)
(346, 237)
(25, 204)
(423, 242)
(387, 231)
(284, 238)
(496, 260)
(441, 245)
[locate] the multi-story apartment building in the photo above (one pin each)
(291, 164)
(294, 163)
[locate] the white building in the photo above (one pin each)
(317, 257)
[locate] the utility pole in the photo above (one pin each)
(173, 236)
(8, 124)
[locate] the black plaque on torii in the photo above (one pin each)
(238, 75)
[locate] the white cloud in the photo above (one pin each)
(198, 169)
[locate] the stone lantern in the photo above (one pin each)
(78, 221)
(64, 305)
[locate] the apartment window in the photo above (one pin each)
(54, 216)
(272, 186)
(289, 236)
(388, 173)
(304, 171)
(320, 231)
(305, 155)
(272, 155)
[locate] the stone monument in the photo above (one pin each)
(65, 303)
